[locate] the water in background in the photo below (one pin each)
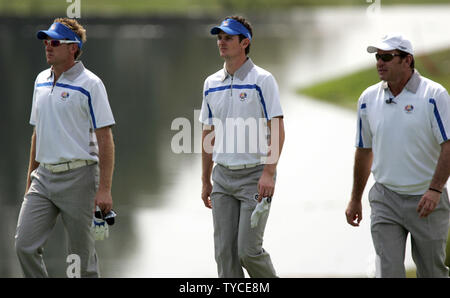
(153, 69)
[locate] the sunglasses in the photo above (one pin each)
(386, 57)
(57, 42)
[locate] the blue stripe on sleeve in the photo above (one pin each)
(209, 113)
(438, 119)
(262, 101)
(361, 144)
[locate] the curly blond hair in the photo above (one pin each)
(76, 27)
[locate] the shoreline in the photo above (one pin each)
(344, 91)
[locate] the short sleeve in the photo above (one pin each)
(363, 133)
(99, 108)
(440, 118)
(33, 117)
(270, 98)
(205, 112)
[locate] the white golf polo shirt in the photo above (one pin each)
(66, 115)
(239, 107)
(404, 134)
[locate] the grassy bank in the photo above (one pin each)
(140, 7)
(345, 91)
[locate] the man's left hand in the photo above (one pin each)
(103, 200)
(428, 203)
(266, 186)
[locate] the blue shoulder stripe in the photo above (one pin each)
(254, 86)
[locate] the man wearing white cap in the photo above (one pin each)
(243, 93)
(403, 129)
(71, 155)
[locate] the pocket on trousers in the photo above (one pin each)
(376, 200)
(33, 174)
(445, 200)
(372, 193)
(217, 177)
(438, 220)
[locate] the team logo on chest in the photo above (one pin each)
(409, 108)
(243, 96)
(64, 95)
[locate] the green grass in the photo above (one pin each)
(345, 91)
(140, 7)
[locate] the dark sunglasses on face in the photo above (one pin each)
(386, 57)
(57, 42)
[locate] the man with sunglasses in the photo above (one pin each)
(71, 156)
(241, 178)
(402, 137)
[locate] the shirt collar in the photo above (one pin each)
(72, 73)
(412, 85)
(242, 72)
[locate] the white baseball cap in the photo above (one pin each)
(392, 42)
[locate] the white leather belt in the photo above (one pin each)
(66, 166)
(240, 167)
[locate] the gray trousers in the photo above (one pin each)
(236, 244)
(393, 217)
(70, 194)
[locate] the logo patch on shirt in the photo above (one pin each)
(64, 95)
(409, 108)
(243, 96)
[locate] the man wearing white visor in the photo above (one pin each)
(71, 155)
(246, 96)
(403, 128)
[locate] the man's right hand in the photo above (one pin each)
(354, 213)
(206, 193)
(361, 172)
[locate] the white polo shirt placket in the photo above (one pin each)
(249, 98)
(404, 132)
(66, 114)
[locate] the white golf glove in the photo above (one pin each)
(261, 208)
(99, 228)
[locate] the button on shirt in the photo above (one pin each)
(404, 132)
(65, 115)
(239, 107)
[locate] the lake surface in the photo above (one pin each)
(153, 69)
